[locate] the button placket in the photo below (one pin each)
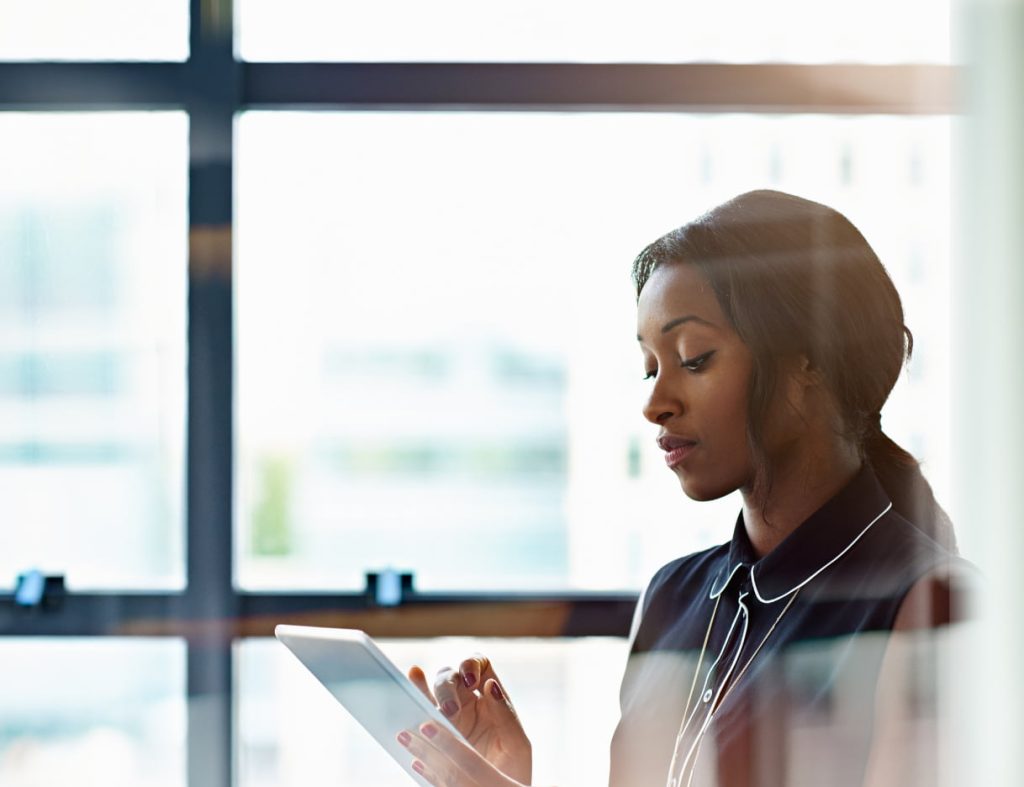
(712, 693)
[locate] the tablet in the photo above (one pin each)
(351, 666)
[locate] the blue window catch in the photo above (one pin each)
(35, 589)
(29, 590)
(388, 587)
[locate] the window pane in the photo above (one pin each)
(96, 30)
(644, 31)
(435, 331)
(86, 711)
(92, 346)
(292, 732)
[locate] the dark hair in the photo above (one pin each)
(796, 277)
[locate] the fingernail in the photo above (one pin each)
(450, 708)
(404, 738)
(429, 730)
(417, 766)
(469, 679)
(496, 691)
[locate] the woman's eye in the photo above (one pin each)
(651, 374)
(694, 364)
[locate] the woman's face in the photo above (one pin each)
(699, 372)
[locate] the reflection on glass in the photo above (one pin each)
(435, 356)
(97, 30)
(644, 31)
(79, 711)
(92, 354)
(292, 732)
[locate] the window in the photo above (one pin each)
(596, 31)
(206, 440)
(467, 373)
(92, 366)
(94, 711)
(113, 30)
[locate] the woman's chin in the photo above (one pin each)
(702, 490)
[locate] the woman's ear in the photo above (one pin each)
(807, 372)
(802, 384)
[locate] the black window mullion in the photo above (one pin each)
(689, 87)
(211, 82)
(83, 86)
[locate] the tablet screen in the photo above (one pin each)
(366, 682)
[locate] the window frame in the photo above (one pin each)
(212, 86)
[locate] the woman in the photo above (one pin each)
(772, 336)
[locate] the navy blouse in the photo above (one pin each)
(785, 691)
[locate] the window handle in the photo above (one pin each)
(388, 588)
(37, 590)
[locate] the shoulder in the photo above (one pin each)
(942, 595)
(937, 587)
(891, 557)
(672, 589)
(934, 625)
(895, 576)
(686, 575)
(930, 585)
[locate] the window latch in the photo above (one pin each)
(36, 590)
(388, 588)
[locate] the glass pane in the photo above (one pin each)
(292, 732)
(436, 348)
(86, 711)
(644, 31)
(96, 30)
(92, 354)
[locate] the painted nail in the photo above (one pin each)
(469, 679)
(417, 766)
(429, 730)
(496, 691)
(404, 738)
(450, 708)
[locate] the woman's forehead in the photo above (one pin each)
(677, 293)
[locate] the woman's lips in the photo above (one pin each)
(678, 454)
(676, 448)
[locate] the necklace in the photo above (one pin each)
(674, 780)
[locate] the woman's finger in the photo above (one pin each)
(465, 758)
(424, 770)
(430, 762)
(445, 760)
(451, 692)
(477, 670)
(419, 680)
(473, 670)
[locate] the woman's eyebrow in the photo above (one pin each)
(679, 321)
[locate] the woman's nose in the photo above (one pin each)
(660, 404)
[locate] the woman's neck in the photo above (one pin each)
(798, 490)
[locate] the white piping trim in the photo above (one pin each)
(753, 580)
(723, 691)
(708, 675)
(728, 579)
(742, 608)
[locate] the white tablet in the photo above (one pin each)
(351, 666)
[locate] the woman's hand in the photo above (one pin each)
(444, 760)
(478, 706)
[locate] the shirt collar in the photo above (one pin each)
(822, 539)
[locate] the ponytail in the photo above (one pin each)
(911, 494)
